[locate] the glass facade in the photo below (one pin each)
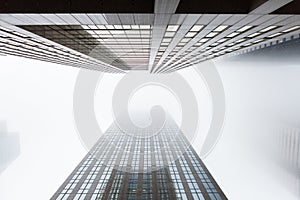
(141, 164)
(118, 42)
(124, 46)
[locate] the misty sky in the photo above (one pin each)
(37, 102)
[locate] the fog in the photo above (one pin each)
(262, 104)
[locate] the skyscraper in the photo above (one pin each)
(9, 146)
(141, 163)
(159, 36)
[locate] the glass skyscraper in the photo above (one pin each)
(141, 164)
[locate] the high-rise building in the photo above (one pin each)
(136, 163)
(9, 146)
(160, 36)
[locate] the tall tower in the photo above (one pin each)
(9, 146)
(136, 163)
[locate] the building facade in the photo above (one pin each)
(158, 36)
(141, 164)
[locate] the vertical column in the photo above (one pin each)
(163, 10)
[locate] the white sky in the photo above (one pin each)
(36, 101)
